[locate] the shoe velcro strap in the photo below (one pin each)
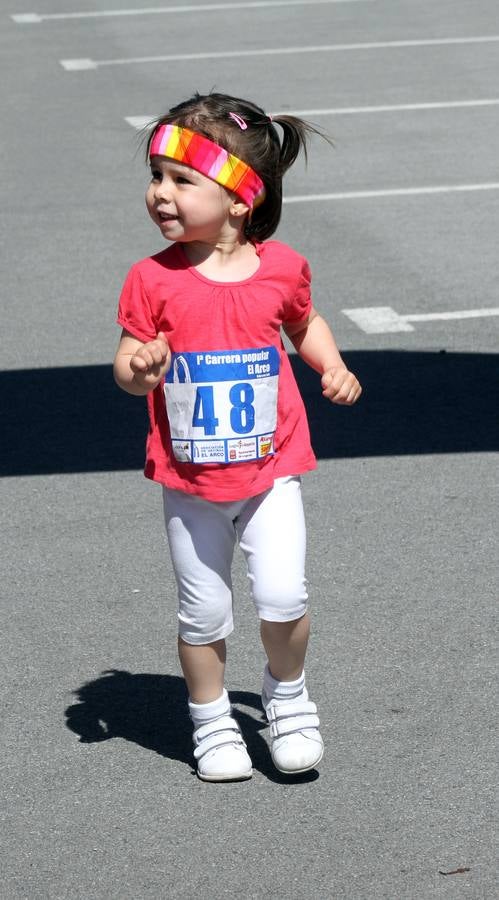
(224, 723)
(215, 734)
(288, 718)
(292, 724)
(276, 710)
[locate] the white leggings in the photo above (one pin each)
(270, 529)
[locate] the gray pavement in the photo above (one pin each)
(98, 795)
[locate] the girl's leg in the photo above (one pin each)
(286, 644)
(272, 536)
(201, 536)
(203, 666)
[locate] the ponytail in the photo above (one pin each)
(296, 133)
(284, 149)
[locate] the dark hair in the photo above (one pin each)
(259, 145)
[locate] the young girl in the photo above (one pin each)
(228, 437)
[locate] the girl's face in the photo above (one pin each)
(185, 205)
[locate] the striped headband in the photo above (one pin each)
(209, 159)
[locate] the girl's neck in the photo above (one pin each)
(233, 260)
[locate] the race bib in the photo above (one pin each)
(222, 405)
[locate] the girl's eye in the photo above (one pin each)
(156, 175)
(181, 179)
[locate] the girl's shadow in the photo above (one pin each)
(151, 710)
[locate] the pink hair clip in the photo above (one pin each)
(239, 121)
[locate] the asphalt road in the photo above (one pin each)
(99, 798)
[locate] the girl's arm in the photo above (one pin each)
(138, 368)
(315, 344)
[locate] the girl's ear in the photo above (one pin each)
(238, 208)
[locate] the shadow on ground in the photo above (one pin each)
(76, 420)
(151, 711)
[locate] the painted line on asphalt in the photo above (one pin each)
(35, 18)
(140, 122)
(388, 108)
(395, 192)
(385, 320)
(74, 65)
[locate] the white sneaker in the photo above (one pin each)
(295, 741)
(220, 751)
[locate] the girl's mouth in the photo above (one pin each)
(166, 217)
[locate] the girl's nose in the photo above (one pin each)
(162, 190)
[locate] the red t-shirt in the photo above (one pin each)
(232, 393)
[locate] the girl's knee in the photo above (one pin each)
(201, 632)
(280, 603)
(204, 617)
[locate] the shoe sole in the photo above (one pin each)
(224, 778)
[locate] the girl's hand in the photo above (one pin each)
(151, 361)
(340, 386)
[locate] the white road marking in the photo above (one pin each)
(79, 64)
(397, 107)
(394, 192)
(26, 18)
(384, 319)
(31, 18)
(457, 314)
(139, 122)
(377, 319)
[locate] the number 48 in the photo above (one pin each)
(242, 412)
